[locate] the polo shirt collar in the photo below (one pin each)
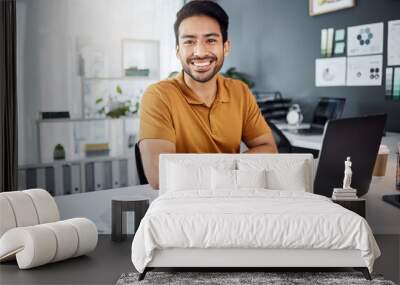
(222, 93)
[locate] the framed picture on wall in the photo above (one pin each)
(317, 7)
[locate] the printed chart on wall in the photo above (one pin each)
(393, 53)
(364, 70)
(365, 39)
(330, 71)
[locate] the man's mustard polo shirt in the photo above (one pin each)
(171, 111)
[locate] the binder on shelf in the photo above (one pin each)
(107, 173)
(124, 172)
(75, 178)
(89, 176)
(58, 179)
(116, 177)
(67, 179)
(41, 178)
(50, 184)
(98, 174)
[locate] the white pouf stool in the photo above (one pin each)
(30, 230)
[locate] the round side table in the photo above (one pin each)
(121, 204)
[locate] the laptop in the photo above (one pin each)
(358, 138)
(327, 109)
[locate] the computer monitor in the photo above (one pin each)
(327, 109)
(358, 138)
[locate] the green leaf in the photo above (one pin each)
(99, 100)
(119, 90)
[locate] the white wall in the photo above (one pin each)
(49, 34)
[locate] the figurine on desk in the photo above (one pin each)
(347, 174)
(347, 192)
(347, 196)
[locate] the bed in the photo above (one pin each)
(247, 210)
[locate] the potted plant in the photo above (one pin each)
(116, 107)
(233, 73)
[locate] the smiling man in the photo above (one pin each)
(200, 111)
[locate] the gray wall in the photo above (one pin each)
(277, 42)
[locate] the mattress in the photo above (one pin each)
(251, 219)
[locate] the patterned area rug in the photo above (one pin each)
(242, 278)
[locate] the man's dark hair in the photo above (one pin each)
(203, 8)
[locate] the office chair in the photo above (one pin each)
(139, 166)
(282, 142)
(328, 108)
(272, 104)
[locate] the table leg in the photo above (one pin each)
(116, 217)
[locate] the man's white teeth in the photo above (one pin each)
(202, 63)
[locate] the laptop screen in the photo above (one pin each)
(327, 109)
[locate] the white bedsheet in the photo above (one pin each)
(252, 218)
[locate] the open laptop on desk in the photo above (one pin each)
(358, 138)
(327, 109)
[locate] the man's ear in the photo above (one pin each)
(227, 47)
(177, 51)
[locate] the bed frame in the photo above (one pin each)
(241, 259)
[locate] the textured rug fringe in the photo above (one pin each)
(244, 278)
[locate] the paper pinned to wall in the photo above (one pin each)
(364, 70)
(324, 37)
(365, 39)
(393, 53)
(329, 44)
(339, 35)
(396, 83)
(330, 71)
(389, 81)
(339, 48)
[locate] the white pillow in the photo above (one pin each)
(251, 178)
(223, 179)
(292, 179)
(281, 174)
(182, 177)
(227, 179)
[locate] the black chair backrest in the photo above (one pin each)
(282, 143)
(328, 108)
(139, 166)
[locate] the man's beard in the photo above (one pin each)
(216, 69)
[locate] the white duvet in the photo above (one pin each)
(252, 218)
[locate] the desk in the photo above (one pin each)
(381, 216)
(303, 141)
(315, 141)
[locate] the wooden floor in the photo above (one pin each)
(111, 259)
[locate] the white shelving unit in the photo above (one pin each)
(79, 176)
(74, 134)
(140, 66)
(78, 173)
